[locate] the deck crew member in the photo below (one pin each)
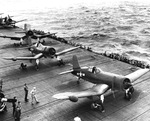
(33, 95)
(26, 92)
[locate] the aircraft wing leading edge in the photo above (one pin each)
(24, 58)
(137, 74)
(99, 89)
(65, 51)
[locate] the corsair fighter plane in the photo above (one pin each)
(103, 81)
(41, 51)
(8, 22)
(27, 38)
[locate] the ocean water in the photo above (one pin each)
(119, 27)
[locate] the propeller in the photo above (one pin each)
(127, 84)
(128, 88)
(113, 86)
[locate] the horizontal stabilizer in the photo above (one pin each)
(66, 72)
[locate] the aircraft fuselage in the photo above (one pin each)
(113, 80)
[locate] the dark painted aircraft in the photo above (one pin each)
(8, 22)
(103, 81)
(27, 38)
(41, 51)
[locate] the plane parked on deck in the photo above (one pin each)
(41, 51)
(8, 22)
(27, 38)
(103, 81)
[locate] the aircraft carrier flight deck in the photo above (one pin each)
(48, 82)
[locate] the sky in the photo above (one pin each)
(14, 5)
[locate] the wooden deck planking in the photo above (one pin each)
(48, 82)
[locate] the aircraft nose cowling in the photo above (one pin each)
(51, 51)
(29, 33)
(127, 83)
(73, 98)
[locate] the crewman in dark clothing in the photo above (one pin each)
(26, 92)
(17, 114)
(94, 69)
(14, 104)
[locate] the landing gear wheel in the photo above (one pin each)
(131, 90)
(43, 42)
(93, 106)
(23, 66)
(101, 108)
(129, 93)
(128, 96)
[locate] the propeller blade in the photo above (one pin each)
(113, 86)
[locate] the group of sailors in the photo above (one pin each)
(40, 32)
(16, 104)
(116, 56)
(125, 59)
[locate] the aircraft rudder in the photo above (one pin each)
(75, 62)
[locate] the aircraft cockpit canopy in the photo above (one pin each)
(39, 46)
(98, 70)
(94, 69)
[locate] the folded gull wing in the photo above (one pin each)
(95, 90)
(137, 74)
(67, 50)
(24, 58)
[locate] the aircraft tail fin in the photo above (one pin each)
(75, 66)
(75, 62)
